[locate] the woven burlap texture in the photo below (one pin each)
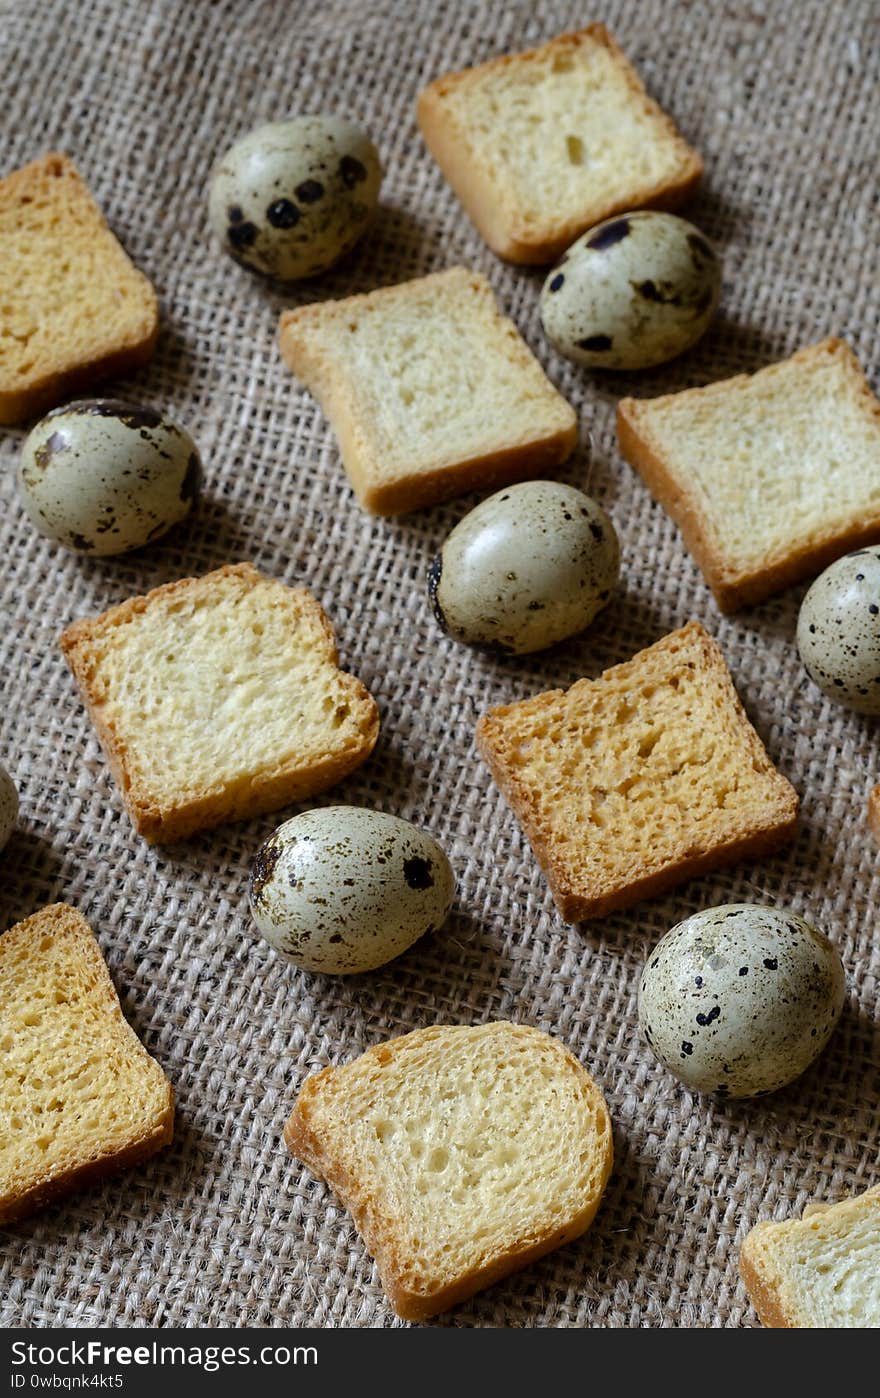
(224, 1228)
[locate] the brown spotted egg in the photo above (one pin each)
(8, 806)
(838, 631)
(632, 292)
(102, 477)
(526, 568)
(293, 197)
(342, 889)
(739, 1000)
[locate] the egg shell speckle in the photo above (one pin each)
(102, 477)
(293, 197)
(526, 568)
(634, 291)
(8, 807)
(341, 889)
(838, 631)
(740, 999)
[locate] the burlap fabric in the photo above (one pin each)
(223, 1227)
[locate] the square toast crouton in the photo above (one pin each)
(769, 476)
(73, 307)
(430, 390)
(462, 1153)
(540, 146)
(81, 1097)
(820, 1271)
(631, 783)
(218, 698)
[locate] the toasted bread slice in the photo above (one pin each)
(769, 476)
(430, 390)
(818, 1272)
(629, 784)
(81, 1097)
(218, 698)
(73, 308)
(540, 146)
(462, 1153)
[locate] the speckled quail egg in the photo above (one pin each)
(526, 568)
(740, 999)
(343, 889)
(102, 477)
(632, 292)
(293, 197)
(838, 631)
(8, 806)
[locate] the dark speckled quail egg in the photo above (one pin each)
(633, 291)
(838, 631)
(526, 568)
(102, 477)
(342, 889)
(293, 197)
(8, 806)
(740, 999)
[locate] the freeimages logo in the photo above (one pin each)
(93, 1353)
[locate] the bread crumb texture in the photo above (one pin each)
(73, 307)
(80, 1095)
(628, 784)
(430, 390)
(219, 697)
(542, 145)
(462, 1153)
(821, 1271)
(769, 475)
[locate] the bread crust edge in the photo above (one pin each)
(31, 1201)
(734, 589)
(22, 403)
(21, 1205)
(762, 1292)
(575, 907)
(162, 825)
(483, 200)
(874, 812)
(416, 1306)
(507, 465)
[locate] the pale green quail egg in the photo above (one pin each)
(838, 631)
(102, 477)
(8, 806)
(293, 197)
(529, 566)
(342, 889)
(739, 1000)
(632, 292)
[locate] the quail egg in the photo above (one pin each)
(342, 889)
(8, 806)
(740, 999)
(838, 631)
(103, 477)
(293, 197)
(632, 292)
(526, 568)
